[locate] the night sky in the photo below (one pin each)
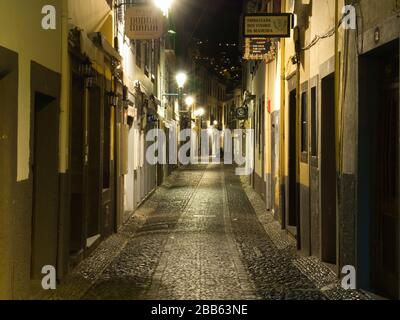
(218, 22)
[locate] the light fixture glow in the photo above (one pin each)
(164, 5)
(189, 101)
(199, 112)
(181, 79)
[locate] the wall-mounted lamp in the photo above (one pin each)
(163, 5)
(86, 71)
(112, 98)
(126, 104)
(199, 112)
(189, 101)
(181, 79)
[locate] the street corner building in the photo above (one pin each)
(82, 83)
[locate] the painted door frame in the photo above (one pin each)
(326, 69)
(47, 82)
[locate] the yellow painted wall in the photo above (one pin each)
(22, 32)
(90, 16)
(320, 21)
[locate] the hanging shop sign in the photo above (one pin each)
(242, 113)
(144, 23)
(256, 48)
(260, 49)
(267, 25)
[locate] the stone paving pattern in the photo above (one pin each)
(203, 235)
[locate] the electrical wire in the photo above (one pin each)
(328, 34)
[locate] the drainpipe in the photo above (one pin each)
(64, 103)
(337, 134)
(298, 114)
(282, 152)
(64, 142)
(337, 88)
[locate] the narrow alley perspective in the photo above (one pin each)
(202, 235)
(199, 157)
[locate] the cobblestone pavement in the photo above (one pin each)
(203, 235)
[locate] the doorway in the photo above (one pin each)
(328, 171)
(94, 178)
(129, 180)
(293, 208)
(379, 137)
(45, 183)
(77, 216)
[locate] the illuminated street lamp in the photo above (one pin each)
(164, 5)
(181, 79)
(189, 101)
(199, 112)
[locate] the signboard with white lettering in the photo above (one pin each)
(267, 25)
(256, 48)
(144, 23)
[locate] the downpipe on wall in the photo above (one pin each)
(338, 116)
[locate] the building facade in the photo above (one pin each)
(78, 112)
(325, 114)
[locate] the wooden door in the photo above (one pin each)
(45, 184)
(328, 171)
(293, 208)
(385, 226)
(77, 217)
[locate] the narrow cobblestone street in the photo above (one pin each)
(203, 235)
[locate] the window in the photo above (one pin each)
(139, 53)
(262, 126)
(107, 146)
(120, 10)
(153, 70)
(314, 123)
(259, 125)
(147, 53)
(304, 125)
